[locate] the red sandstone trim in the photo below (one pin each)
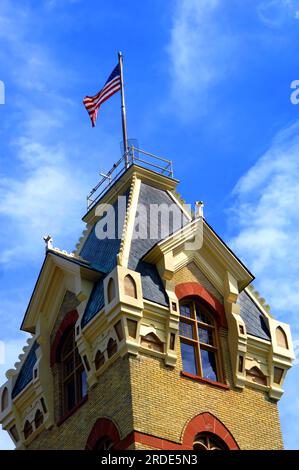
(104, 427)
(195, 289)
(204, 381)
(205, 422)
(68, 321)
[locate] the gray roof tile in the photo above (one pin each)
(255, 321)
(26, 373)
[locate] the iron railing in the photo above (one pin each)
(136, 156)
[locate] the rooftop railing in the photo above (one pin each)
(133, 156)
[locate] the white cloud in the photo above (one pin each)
(266, 218)
(275, 13)
(44, 188)
(199, 51)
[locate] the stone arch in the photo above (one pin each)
(207, 423)
(130, 288)
(111, 347)
(38, 419)
(195, 289)
(111, 290)
(256, 375)
(281, 338)
(28, 430)
(103, 427)
(99, 359)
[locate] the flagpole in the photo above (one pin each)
(123, 109)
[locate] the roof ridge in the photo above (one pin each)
(22, 357)
(85, 233)
(120, 255)
(260, 301)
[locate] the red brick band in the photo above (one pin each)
(205, 422)
(195, 289)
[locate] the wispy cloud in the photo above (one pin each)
(199, 51)
(266, 213)
(275, 13)
(266, 219)
(44, 186)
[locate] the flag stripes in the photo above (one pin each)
(93, 103)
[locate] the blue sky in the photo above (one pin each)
(207, 85)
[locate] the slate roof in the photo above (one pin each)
(95, 303)
(152, 284)
(255, 321)
(102, 255)
(26, 373)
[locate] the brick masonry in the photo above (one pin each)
(141, 394)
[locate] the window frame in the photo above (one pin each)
(196, 342)
(74, 376)
(208, 441)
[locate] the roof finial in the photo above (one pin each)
(199, 209)
(48, 241)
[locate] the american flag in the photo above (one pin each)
(93, 103)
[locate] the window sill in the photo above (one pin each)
(204, 381)
(72, 411)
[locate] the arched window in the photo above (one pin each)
(111, 347)
(199, 341)
(4, 399)
(281, 338)
(151, 341)
(208, 441)
(27, 429)
(39, 419)
(111, 289)
(105, 443)
(130, 286)
(99, 360)
(256, 376)
(74, 381)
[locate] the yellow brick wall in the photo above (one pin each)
(165, 409)
(110, 398)
(192, 273)
(142, 394)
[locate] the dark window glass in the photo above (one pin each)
(83, 383)
(186, 329)
(28, 430)
(202, 315)
(209, 370)
(205, 336)
(99, 360)
(111, 347)
(188, 358)
(70, 395)
(185, 311)
(199, 346)
(105, 443)
(39, 419)
(74, 380)
(207, 441)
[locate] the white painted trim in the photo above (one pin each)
(130, 223)
(174, 198)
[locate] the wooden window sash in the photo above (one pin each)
(215, 348)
